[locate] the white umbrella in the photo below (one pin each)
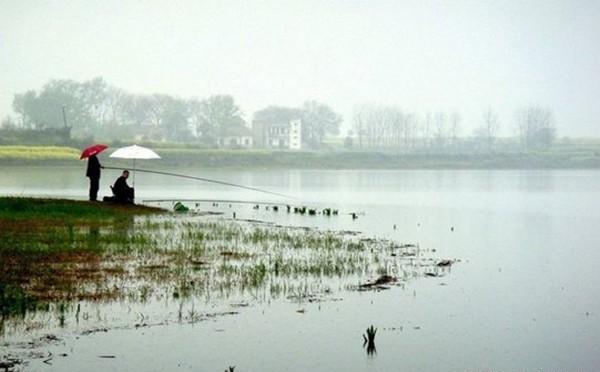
(134, 152)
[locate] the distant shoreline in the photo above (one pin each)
(570, 158)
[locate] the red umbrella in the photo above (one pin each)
(93, 150)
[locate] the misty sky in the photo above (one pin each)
(420, 55)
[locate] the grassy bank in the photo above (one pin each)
(35, 233)
(63, 211)
(559, 157)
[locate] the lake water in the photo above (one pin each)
(524, 295)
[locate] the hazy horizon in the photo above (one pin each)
(420, 56)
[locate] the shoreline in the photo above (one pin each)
(70, 261)
(223, 159)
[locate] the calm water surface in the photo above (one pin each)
(524, 296)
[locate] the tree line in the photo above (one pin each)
(96, 109)
(384, 126)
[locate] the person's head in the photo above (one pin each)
(125, 173)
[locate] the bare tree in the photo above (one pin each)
(536, 126)
(455, 120)
(440, 135)
(488, 131)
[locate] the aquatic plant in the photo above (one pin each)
(114, 256)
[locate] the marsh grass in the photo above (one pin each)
(91, 253)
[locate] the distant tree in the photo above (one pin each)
(169, 115)
(536, 126)
(360, 123)
(25, 106)
(8, 123)
(69, 94)
(136, 110)
(214, 116)
(94, 97)
(116, 102)
(46, 108)
(488, 131)
(385, 127)
(455, 120)
(318, 120)
(426, 129)
(349, 141)
(440, 134)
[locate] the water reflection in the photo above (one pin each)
(369, 341)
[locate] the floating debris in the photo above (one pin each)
(180, 208)
(379, 282)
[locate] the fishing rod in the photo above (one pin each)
(224, 201)
(206, 180)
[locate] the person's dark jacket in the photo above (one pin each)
(121, 188)
(93, 167)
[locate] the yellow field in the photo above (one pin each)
(38, 152)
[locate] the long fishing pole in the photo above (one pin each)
(207, 180)
(224, 201)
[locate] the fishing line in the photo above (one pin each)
(206, 180)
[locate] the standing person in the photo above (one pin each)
(93, 173)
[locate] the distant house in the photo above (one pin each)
(286, 135)
(236, 137)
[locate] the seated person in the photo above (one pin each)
(121, 190)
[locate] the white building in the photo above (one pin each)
(283, 135)
(295, 134)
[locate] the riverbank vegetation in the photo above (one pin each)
(559, 156)
(58, 256)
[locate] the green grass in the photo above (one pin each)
(68, 257)
(63, 210)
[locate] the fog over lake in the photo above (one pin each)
(422, 56)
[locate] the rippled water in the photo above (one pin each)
(524, 295)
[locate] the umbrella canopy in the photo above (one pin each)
(134, 152)
(93, 150)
